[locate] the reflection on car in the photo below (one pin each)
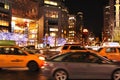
(81, 65)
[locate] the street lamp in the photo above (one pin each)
(84, 35)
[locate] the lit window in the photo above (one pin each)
(71, 26)
(34, 31)
(51, 14)
(52, 34)
(4, 23)
(6, 6)
(32, 36)
(51, 3)
(53, 29)
(71, 35)
(71, 31)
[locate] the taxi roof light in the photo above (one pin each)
(111, 44)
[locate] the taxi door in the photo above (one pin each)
(14, 57)
(3, 60)
(112, 53)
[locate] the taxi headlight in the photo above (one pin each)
(41, 58)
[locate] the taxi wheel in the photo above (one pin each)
(33, 66)
(116, 75)
(60, 75)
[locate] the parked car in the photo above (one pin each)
(12, 56)
(80, 65)
(72, 47)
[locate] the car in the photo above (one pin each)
(12, 56)
(80, 65)
(110, 52)
(72, 47)
(31, 48)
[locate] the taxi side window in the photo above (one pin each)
(111, 50)
(65, 47)
(11, 51)
(1, 50)
(17, 51)
(77, 48)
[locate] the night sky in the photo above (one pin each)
(92, 13)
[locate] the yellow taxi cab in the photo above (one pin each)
(110, 50)
(12, 56)
(72, 47)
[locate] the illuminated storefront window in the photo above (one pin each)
(4, 23)
(52, 34)
(32, 36)
(3, 19)
(34, 31)
(27, 27)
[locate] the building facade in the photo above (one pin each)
(71, 28)
(35, 19)
(24, 20)
(107, 29)
(79, 27)
(53, 20)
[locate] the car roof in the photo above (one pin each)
(72, 52)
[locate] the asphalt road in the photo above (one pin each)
(20, 74)
(23, 74)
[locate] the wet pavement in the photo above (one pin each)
(6, 74)
(24, 74)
